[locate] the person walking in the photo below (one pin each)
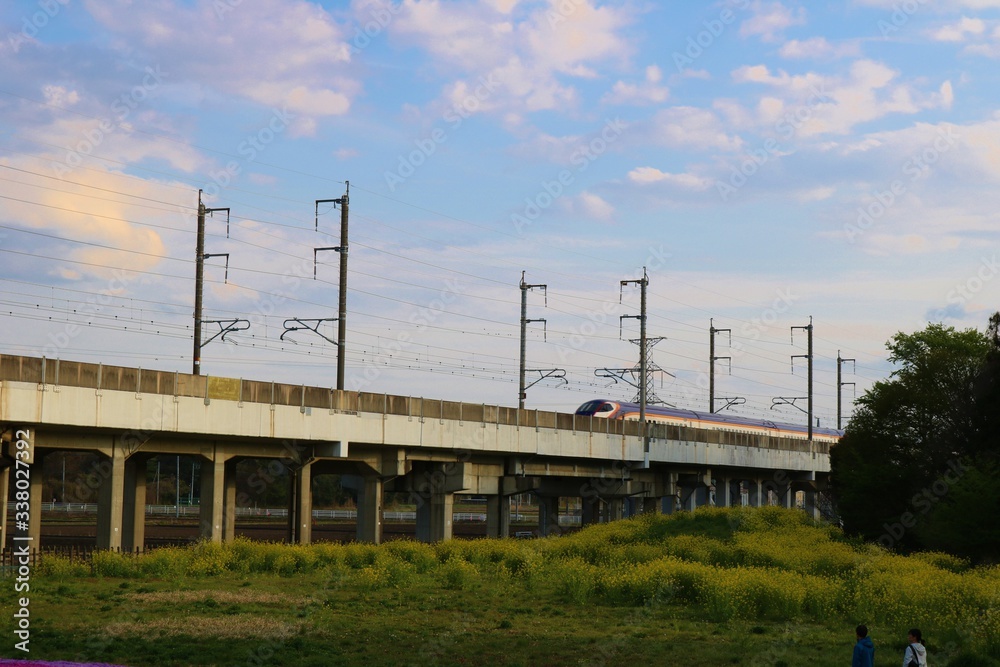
(864, 650)
(915, 653)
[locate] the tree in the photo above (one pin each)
(908, 432)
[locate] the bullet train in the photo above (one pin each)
(609, 409)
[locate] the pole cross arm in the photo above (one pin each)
(226, 327)
(303, 326)
(210, 211)
(336, 202)
(798, 356)
(209, 255)
(617, 374)
(545, 373)
(731, 401)
(789, 400)
(316, 251)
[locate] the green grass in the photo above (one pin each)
(719, 587)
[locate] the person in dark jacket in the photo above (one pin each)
(864, 650)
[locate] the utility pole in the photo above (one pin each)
(342, 308)
(199, 278)
(522, 390)
(840, 363)
(712, 359)
(809, 358)
(643, 283)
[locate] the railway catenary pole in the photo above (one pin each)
(840, 383)
(712, 359)
(522, 391)
(809, 359)
(810, 402)
(342, 297)
(199, 277)
(643, 283)
(342, 306)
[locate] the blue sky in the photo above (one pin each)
(767, 162)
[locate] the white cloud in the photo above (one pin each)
(818, 47)
(59, 96)
(592, 206)
(647, 92)
(957, 32)
(691, 127)
(835, 105)
(651, 175)
(293, 56)
(770, 19)
(529, 52)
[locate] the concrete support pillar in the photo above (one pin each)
(497, 516)
(4, 492)
(229, 503)
(435, 513)
(673, 503)
(300, 504)
(548, 515)
(370, 508)
(213, 481)
(134, 504)
(727, 492)
(616, 508)
(755, 492)
(111, 500)
(692, 499)
(811, 504)
(590, 511)
(651, 505)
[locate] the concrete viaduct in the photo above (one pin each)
(430, 449)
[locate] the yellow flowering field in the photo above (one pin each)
(721, 564)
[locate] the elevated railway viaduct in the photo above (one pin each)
(427, 448)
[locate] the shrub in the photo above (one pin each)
(458, 574)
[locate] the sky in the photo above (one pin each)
(766, 163)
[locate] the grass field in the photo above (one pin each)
(716, 587)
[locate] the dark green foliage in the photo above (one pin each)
(971, 660)
(917, 465)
